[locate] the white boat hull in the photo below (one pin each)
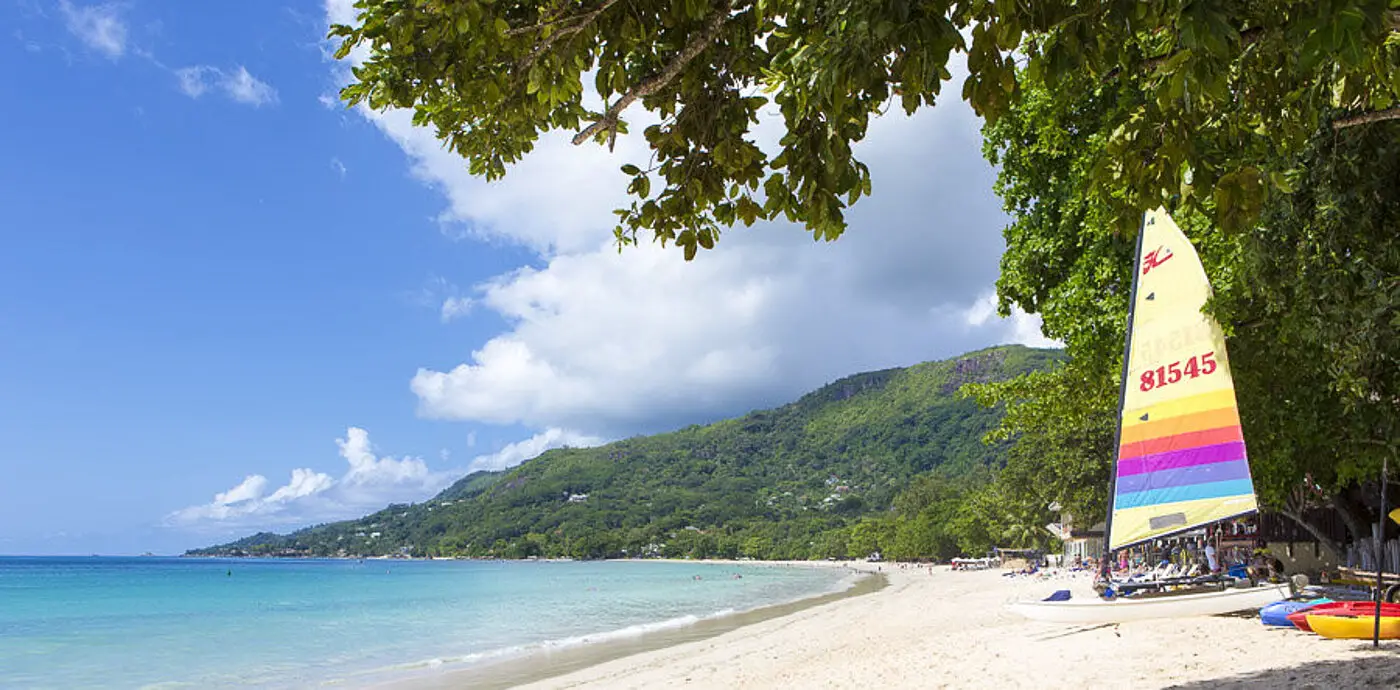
(1095, 611)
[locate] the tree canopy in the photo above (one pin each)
(1216, 91)
(1308, 296)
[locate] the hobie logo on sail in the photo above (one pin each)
(1155, 258)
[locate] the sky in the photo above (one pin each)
(230, 304)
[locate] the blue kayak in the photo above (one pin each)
(1277, 612)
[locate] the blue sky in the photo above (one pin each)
(216, 281)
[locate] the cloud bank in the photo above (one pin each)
(612, 344)
(368, 483)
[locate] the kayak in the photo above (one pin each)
(1353, 627)
(1343, 608)
(1277, 613)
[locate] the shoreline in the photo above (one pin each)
(544, 663)
(932, 627)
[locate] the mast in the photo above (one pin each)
(1104, 568)
(1380, 554)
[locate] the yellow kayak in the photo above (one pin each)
(1353, 627)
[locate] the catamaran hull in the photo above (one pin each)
(1098, 611)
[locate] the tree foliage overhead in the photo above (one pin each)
(889, 461)
(1218, 90)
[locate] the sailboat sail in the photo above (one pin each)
(1181, 456)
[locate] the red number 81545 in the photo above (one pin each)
(1176, 371)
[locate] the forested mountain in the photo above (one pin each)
(832, 474)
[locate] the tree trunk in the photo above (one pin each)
(1316, 532)
(1354, 514)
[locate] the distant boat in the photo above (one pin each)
(1181, 460)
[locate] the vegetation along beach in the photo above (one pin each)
(413, 344)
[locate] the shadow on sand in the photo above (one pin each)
(1074, 631)
(1379, 669)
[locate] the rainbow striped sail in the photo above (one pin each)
(1181, 456)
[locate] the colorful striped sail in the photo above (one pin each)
(1181, 456)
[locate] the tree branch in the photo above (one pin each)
(1247, 38)
(656, 82)
(1365, 118)
(536, 27)
(583, 21)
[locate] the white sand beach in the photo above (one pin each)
(936, 628)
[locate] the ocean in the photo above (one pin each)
(184, 623)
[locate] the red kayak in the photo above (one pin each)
(1343, 608)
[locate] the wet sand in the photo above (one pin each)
(534, 666)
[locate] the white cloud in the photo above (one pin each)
(99, 27)
(29, 46)
(444, 296)
(304, 483)
(369, 483)
(611, 345)
(194, 81)
(338, 167)
(251, 488)
(454, 307)
(520, 451)
(366, 469)
(239, 85)
(1024, 328)
(243, 87)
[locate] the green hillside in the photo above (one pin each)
(792, 482)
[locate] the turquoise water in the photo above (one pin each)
(174, 623)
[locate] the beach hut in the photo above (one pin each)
(1084, 544)
(1019, 559)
